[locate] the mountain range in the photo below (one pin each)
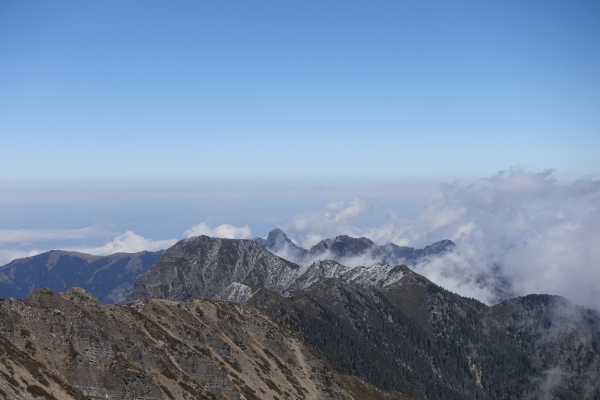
(111, 278)
(227, 318)
(348, 250)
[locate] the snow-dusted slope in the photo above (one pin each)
(377, 275)
(223, 268)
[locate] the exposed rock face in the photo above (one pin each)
(203, 267)
(108, 278)
(417, 338)
(226, 268)
(69, 346)
(378, 275)
(348, 250)
(237, 293)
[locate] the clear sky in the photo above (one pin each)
(191, 92)
(128, 125)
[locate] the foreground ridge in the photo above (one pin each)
(68, 345)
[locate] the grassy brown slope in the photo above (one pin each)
(155, 349)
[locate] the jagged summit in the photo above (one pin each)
(278, 242)
(350, 251)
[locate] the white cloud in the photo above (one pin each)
(28, 242)
(336, 218)
(222, 231)
(128, 242)
(522, 227)
(7, 256)
(543, 233)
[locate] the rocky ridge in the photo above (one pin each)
(416, 337)
(215, 268)
(69, 346)
(392, 327)
(349, 251)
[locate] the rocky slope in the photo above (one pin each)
(350, 251)
(203, 266)
(108, 278)
(214, 268)
(69, 346)
(392, 327)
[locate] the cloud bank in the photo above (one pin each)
(223, 231)
(518, 232)
(128, 242)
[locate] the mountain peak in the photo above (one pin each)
(203, 266)
(343, 246)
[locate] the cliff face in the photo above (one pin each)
(67, 345)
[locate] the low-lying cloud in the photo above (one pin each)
(223, 231)
(128, 242)
(518, 232)
(19, 243)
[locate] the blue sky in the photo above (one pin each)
(193, 93)
(129, 125)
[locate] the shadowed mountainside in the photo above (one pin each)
(416, 337)
(108, 278)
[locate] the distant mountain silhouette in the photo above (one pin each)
(108, 278)
(343, 248)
